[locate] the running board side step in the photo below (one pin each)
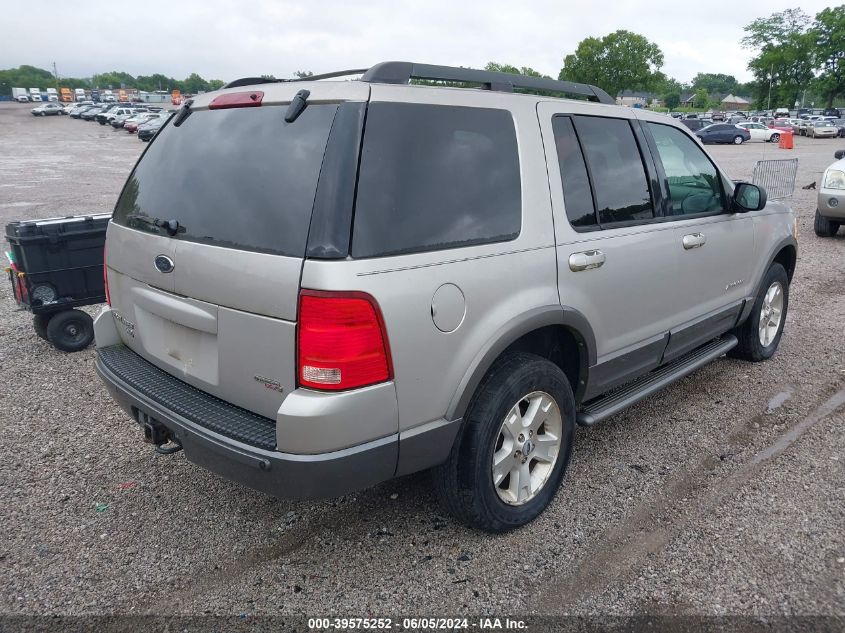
(622, 398)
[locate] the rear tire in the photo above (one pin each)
(758, 343)
(530, 396)
(738, 140)
(824, 227)
(71, 331)
(39, 324)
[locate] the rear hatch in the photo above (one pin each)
(214, 301)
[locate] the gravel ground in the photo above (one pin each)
(723, 494)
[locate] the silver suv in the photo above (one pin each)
(317, 286)
(830, 208)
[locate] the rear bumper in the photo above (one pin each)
(279, 474)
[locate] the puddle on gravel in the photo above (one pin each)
(777, 401)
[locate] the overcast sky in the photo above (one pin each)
(226, 39)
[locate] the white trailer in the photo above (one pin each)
(34, 94)
(52, 94)
(20, 94)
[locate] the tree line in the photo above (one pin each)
(32, 77)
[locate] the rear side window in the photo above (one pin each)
(577, 195)
(435, 177)
(616, 167)
(241, 178)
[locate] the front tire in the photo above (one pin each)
(71, 330)
(513, 448)
(824, 227)
(760, 335)
(774, 138)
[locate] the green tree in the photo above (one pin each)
(701, 99)
(114, 79)
(303, 74)
(829, 32)
(193, 84)
(619, 61)
(215, 84)
(715, 82)
(784, 59)
(507, 68)
(672, 100)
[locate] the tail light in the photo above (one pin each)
(106, 277)
(341, 341)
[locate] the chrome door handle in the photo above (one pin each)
(694, 240)
(585, 260)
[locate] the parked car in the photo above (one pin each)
(840, 125)
(77, 112)
(149, 129)
(695, 124)
(836, 113)
(830, 204)
(131, 125)
(118, 110)
(723, 133)
(822, 129)
(91, 113)
(785, 125)
(760, 132)
(425, 330)
(108, 110)
(22, 98)
(46, 109)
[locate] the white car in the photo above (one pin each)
(760, 132)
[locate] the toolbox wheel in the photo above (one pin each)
(71, 331)
(39, 324)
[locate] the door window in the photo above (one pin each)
(692, 180)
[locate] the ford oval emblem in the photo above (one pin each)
(164, 264)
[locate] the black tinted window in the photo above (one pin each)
(239, 178)
(435, 177)
(577, 196)
(616, 167)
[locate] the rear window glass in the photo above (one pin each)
(241, 178)
(435, 177)
(616, 167)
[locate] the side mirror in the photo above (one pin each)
(748, 197)
(839, 154)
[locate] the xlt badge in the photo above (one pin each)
(734, 284)
(269, 384)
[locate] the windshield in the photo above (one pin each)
(240, 178)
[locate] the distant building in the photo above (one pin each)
(637, 99)
(733, 102)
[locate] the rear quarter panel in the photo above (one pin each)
(498, 281)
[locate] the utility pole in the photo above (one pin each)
(56, 75)
(771, 78)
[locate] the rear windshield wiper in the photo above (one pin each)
(171, 226)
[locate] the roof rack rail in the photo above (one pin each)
(251, 81)
(403, 72)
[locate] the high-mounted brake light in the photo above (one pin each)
(251, 99)
(341, 341)
(106, 277)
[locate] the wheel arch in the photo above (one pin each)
(785, 254)
(559, 333)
